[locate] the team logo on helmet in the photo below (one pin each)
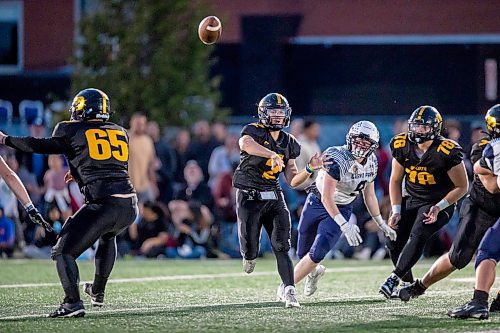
(425, 124)
(274, 111)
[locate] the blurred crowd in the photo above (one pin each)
(183, 179)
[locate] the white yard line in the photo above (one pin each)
(198, 276)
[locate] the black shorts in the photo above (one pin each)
(104, 218)
(474, 222)
(253, 214)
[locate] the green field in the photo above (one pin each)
(181, 296)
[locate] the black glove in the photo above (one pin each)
(37, 218)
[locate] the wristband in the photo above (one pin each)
(339, 219)
(396, 209)
(29, 206)
(378, 219)
(443, 204)
(309, 168)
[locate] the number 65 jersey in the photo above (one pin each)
(256, 172)
(426, 177)
(97, 154)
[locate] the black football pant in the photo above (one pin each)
(273, 215)
(412, 235)
(99, 220)
(474, 222)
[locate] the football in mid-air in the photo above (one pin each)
(210, 29)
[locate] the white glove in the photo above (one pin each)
(388, 231)
(351, 233)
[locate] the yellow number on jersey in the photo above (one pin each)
(101, 141)
(445, 147)
(399, 141)
(422, 177)
(271, 173)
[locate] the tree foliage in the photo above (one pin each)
(147, 57)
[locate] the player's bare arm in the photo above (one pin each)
(395, 193)
(294, 177)
(458, 176)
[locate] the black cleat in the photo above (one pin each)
(97, 300)
(411, 291)
(471, 309)
(388, 287)
(67, 310)
(495, 305)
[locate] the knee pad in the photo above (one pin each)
(460, 259)
(319, 249)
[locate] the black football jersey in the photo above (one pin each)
(487, 201)
(256, 172)
(97, 154)
(426, 178)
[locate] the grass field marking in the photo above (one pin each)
(278, 305)
(199, 276)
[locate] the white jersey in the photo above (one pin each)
(351, 175)
(491, 154)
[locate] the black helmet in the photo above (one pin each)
(425, 115)
(90, 103)
(492, 120)
(273, 101)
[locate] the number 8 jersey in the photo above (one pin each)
(350, 175)
(426, 177)
(256, 172)
(97, 154)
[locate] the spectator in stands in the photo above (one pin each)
(223, 158)
(308, 147)
(195, 187)
(296, 127)
(384, 160)
(149, 234)
(56, 190)
(192, 222)
(7, 235)
(202, 146)
(182, 142)
(166, 157)
(452, 129)
(142, 160)
(219, 131)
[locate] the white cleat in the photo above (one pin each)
(291, 298)
(312, 279)
(249, 265)
(280, 293)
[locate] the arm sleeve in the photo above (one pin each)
(54, 145)
(294, 148)
(398, 152)
(456, 157)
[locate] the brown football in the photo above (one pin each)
(210, 29)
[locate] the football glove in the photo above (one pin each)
(37, 218)
(351, 232)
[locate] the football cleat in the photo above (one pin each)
(97, 300)
(412, 290)
(471, 309)
(388, 287)
(495, 305)
(67, 310)
(291, 298)
(280, 293)
(312, 279)
(249, 265)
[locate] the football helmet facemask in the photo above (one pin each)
(362, 139)
(492, 120)
(425, 124)
(274, 111)
(90, 103)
